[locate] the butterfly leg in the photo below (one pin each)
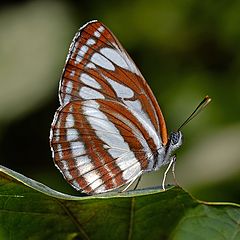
(172, 162)
(173, 170)
(132, 181)
(138, 181)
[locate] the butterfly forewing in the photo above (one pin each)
(98, 67)
(109, 125)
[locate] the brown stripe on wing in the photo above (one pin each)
(138, 80)
(142, 92)
(120, 115)
(81, 67)
(128, 78)
(162, 124)
(117, 177)
(105, 89)
(94, 146)
(146, 103)
(94, 150)
(89, 134)
(59, 144)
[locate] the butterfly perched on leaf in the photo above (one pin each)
(109, 128)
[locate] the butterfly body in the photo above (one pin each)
(109, 128)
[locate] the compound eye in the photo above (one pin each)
(175, 137)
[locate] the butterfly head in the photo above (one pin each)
(174, 142)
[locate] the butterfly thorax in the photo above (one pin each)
(166, 152)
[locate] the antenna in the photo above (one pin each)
(198, 109)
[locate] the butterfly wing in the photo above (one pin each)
(98, 67)
(99, 145)
(109, 125)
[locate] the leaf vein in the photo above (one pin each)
(130, 231)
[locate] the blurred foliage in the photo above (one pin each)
(185, 49)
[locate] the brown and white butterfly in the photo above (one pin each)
(109, 129)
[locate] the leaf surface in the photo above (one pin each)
(31, 210)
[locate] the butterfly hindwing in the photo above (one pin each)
(99, 145)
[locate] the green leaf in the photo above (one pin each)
(31, 210)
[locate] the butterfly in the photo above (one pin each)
(109, 128)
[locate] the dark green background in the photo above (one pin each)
(185, 50)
